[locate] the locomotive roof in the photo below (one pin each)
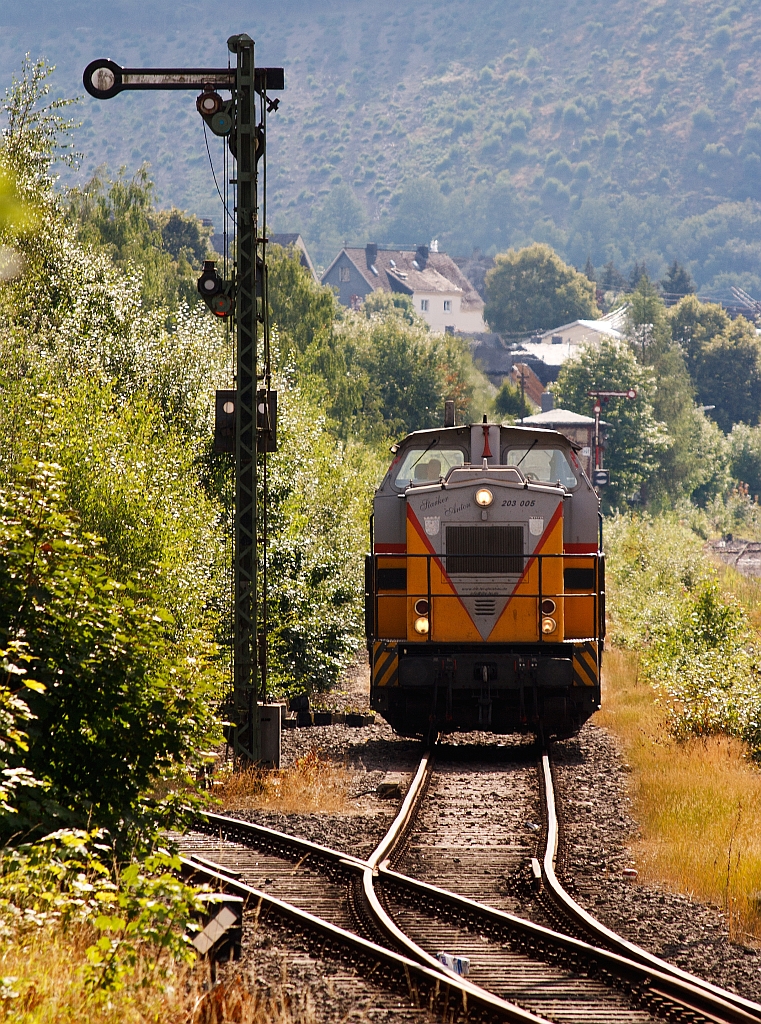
(529, 432)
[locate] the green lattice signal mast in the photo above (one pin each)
(244, 298)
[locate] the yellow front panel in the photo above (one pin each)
(449, 621)
(519, 622)
(580, 606)
(392, 618)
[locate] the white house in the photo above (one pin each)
(439, 290)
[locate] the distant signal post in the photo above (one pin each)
(244, 300)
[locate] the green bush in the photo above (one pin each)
(122, 702)
(699, 649)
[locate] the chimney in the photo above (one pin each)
(371, 253)
(422, 256)
(449, 413)
(548, 401)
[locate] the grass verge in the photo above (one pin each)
(698, 801)
(42, 982)
(310, 785)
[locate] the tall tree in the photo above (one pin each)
(694, 325)
(533, 289)
(677, 280)
(612, 278)
(635, 439)
(638, 271)
(729, 375)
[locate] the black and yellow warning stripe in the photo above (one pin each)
(385, 663)
(586, 670)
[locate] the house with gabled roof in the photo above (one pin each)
(296, 242)
(439, 290)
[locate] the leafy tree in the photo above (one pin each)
(745, 456)
(510, 402)
(302, 311)
(612, 279)
(694, 325)
(184, 234)
(319, 495)
(36, 133)
(677, 280)
(400, 376)
(683, 470)
(694, 466)
(723, 357)
(589, 270)
(647, 327)
(392, 303)
(166, 248)
(418, 211)
(531, 288)
(634, 439)
(729, 375)
(638, 271)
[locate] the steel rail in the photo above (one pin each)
(605, 935)
(455, 991)
(652, 981)
(651, 984)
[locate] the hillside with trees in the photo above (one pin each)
(613, 131)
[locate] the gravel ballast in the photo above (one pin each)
(591, 781)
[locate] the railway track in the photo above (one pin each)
(388, 926)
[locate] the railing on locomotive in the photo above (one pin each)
(540, 595)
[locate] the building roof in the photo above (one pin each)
(295, 240)
(411, 271)
(610, 325)
(558, 418)
(532, 386)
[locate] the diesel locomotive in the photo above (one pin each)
(485, 585)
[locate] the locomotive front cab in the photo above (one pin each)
(484, 588)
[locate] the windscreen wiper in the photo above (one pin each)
(527, 451)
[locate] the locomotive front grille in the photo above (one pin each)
(486, 550)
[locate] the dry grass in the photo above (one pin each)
(310, 785)
(747, 589)
(698, 802)
(41, 982)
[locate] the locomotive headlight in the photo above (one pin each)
(484, 497)
(421, 607)
(421, 625)
(548, 606)
(549, 625)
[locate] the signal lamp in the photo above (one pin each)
(209, 283)
(548, 607)
(221, 305)
(549, 625)
(221, 123)
(484, 497)
(215, 292)
(208, 103)
(421, 607)
(421, 625)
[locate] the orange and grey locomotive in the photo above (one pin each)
(484, 591)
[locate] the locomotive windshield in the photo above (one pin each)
(543, 465)
(427, 465)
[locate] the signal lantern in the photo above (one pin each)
(208, 103)
(215, 292)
